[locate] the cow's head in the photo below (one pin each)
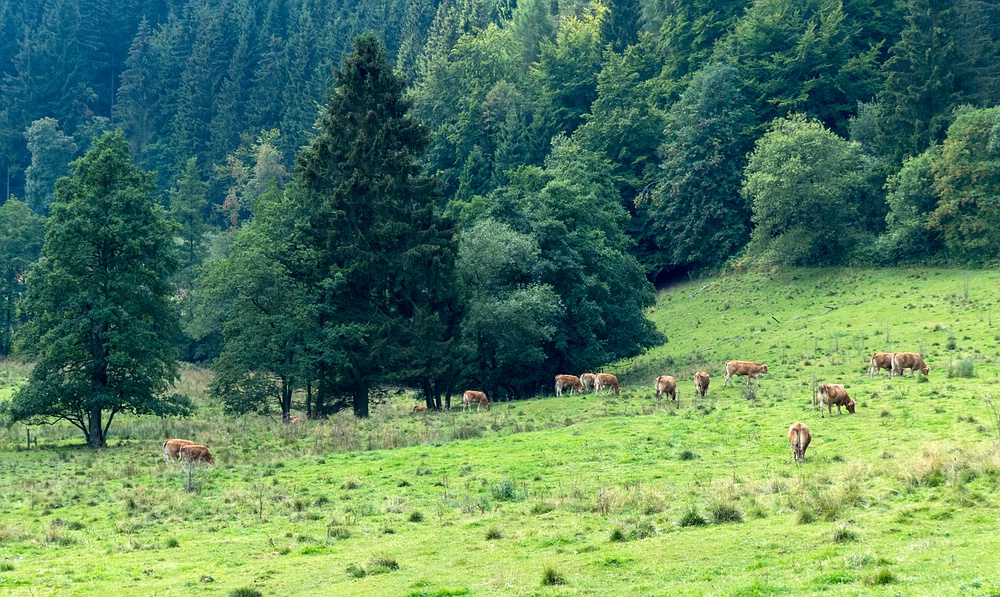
(487, 406)
(765, 369)
(925, 370)
(850, 405)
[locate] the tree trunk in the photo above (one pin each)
(286, 399)
(309, 396)
(95, 431)
(361, 401)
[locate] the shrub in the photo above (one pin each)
(963, 368)
(504, 491)
(172, 542)
(356, 571)
(692, 518)
(245, 592)
(882, 577)
(843, 534)
(687, 455)
(416, 516)
(542, 508)
(494, 533)
(382, 565)
(550, 577)
(724, 511)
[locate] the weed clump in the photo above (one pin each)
(633, 529)
(172, 543)
(692, 518)
(843, 534)
(882, 577)
(965, 368)
(245, 592)
(356, 571)
(504, 491)
(416, 516)
(687, 455)
(382, 565)
(542, 508)
(724, 511)
(494, 533)
(551, 577)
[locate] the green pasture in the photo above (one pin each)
(579, 495)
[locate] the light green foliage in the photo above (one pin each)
(21, 236)
(101, 325)
(911, 201)
(966, 178)
(803, 181)
(51, 151)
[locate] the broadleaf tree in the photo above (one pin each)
(101, 322)
(21, 235)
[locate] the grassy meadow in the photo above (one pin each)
(578, 495)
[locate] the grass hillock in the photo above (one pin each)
(578, 495)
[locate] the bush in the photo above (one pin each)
(882, 577)
(494, 533)
(550, 576)
(963, 368)
(687, 455)
(692, 518)
(844, 534)
(504, 491)
(416, 516)
(725, 512)
(382, 565)
(245, 592)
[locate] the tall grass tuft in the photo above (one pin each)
(551, 576)
(964, 368)
(245, 592)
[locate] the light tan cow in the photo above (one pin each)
(568, 381)
(701, 383)
(606, 380)
(799, 437)
(834, 393)
(878, 362)
(748, 368)
(196, 453)
(471, 397)
(293, 420)
(908, 360)
(666, 384)
(172, 448)
(589, 381)
(419, 408)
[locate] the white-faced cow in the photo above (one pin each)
(748, 368)
(666, 384)
(606, 380)
(834, 393)
(701, 383)
(568, 381)
(172, 448)
(878, 362)
(799, 437)
(908, 360)
(471, 397)
(589, 381)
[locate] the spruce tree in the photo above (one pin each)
(383, 261)
(102, 325)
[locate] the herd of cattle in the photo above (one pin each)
(799, 435)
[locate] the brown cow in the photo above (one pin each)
(568, 381)
(589, 381)
(799, 437)
(748, 368)
(172, 448)
(606, 380)
(419, 408)
(472, 396)
(196, 453)
(293, 420)
(666, 385)
(701, 383)
(834, 393)
(878, 362)
(908, 360)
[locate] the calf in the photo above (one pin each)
(834, 393)
(196, 453)
(701, 383)
(589, 381)
(606, 380)
(172, 448)
(472, 396)
(908, 360)
(878, 362)
(665, 385)
(799, 437)
(420, 408)
(568, 381)
(748, 368)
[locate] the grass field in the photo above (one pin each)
(579, 495)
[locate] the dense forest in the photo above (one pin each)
(543, 162)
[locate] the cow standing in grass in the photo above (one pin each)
(568, 381)
(878, 362)
(701, 383)
(420, 408)
(831, 394)
(196, 453)
(172, 449)
(799, 437)
(908, 360)
(665, 384)
(589, 381)
(471, 397)
(748, 368)
(606, 380)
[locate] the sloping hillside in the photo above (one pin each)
(579, 495)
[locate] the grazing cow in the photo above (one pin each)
(419, 408)
(606, 380)
(172, 448)
(568, 381)
(665, 385)
(701, 383)
(879, 361)
(748, 368)
(799, 437)
(472, 396)
(196, 453)
(293, 420)
(908, 360)
(834, 393)
(589, 381)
